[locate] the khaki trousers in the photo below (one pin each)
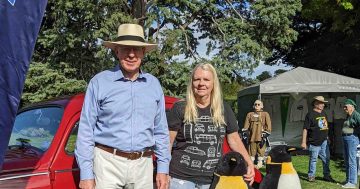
(254, 148)
(112, 171)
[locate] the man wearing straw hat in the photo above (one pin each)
(315, 138)
(123, 121)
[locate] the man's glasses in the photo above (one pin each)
(127, 49)
(257, 104)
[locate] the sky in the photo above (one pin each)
(257, 71)
(201, 49)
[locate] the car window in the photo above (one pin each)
(70, 144)
(36, 127)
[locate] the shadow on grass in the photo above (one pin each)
(303, 176)
(337, 161)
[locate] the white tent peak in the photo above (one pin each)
(304, 80)
(308, 75)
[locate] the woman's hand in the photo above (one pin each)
(236, 145)
(250, 175)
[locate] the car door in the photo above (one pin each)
(30, 149)
(64, 169)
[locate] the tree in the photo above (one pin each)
(329, 38)
(264, 75)
(48, 83)
(238, 34)
(279, 71)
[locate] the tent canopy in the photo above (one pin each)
(286, 88)
(304, 80)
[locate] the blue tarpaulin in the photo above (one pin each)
(20, 22)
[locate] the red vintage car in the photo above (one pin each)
(42, 143)
(41, 147)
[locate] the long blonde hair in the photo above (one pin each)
(216, 102)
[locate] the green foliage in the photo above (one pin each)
(279, 71)
(48, 83)
(238, 35)
(70, 145)
(329, 38)
(230, 91)
(339, 15)
(346, 4)
(264, 75)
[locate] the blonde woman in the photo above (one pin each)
(198, 126)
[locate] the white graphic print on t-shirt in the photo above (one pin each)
(204, 141)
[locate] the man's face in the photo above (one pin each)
(130, 58)
(319, 105)
(258, 106)
(348, 109)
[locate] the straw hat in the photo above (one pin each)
(130, 35)
(320, 99)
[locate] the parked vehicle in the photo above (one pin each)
(41, 148)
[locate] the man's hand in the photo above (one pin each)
(249, 176)
(265, 134)
(162, 181)
(303, 145)
(87, 184)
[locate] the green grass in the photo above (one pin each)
(336, 167)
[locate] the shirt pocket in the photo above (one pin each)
(147, 109)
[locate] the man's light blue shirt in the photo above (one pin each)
(124, 114)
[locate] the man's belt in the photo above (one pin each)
(128, 155)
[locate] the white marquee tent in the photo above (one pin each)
(294, 85)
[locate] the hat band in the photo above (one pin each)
(130, 38)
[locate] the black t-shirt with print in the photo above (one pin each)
(317, 127)
(198, 146)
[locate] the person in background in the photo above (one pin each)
(315, 138)
(198, 127)
(123, 121)
(350, 134)
(258, 123)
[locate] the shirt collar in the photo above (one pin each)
(118, 74)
